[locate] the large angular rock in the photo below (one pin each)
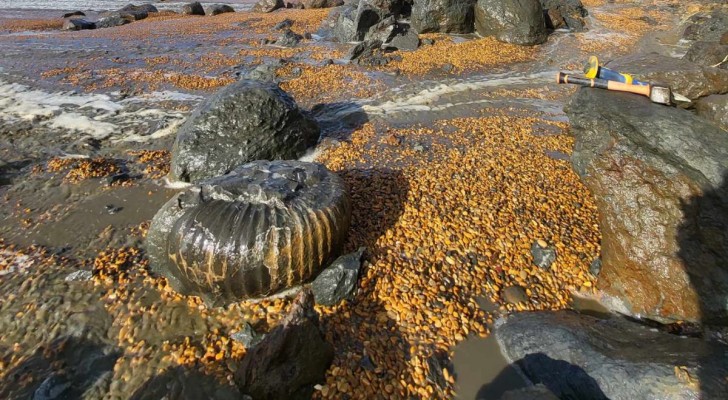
(246, 121)
(582, 357)
(684, 77)
(354, 21)
(706, 26)
(266, 6)
(405, 38)
(291, 359)
(714, 108)
(565, 14)
(710, 54)
(338, 281)
(512, 21)
(448, 16)
(658, 177)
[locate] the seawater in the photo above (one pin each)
(98, 5)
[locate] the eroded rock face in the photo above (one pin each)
(448, 16)
(684, 77)
(658, 176)
(265, 227)
(245, 121)
(353, 22)
(582, 357)
(512, 21)
(291, 359)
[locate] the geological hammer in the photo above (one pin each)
(657, 94)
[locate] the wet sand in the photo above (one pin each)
(468, 167)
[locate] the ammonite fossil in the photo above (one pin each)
(263, 228)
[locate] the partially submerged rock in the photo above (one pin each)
(291, 359)
(684, 77)
(217, 9)
(247, 120)
(265, 227)
(77, 24)
(657, 174)
(582, 357)
(266, 6)
(193, 9)
(338, 281)
(447, 16)
(512, 21)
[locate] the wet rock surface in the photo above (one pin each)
(565, 14)
(338, 281)
(706, 26)
(193, 9)
(354, 21)
(684, 77)
(273, 225)
(77, 25)
(288, 39)
(218, 9)
(245, 121)
(583, 357)
(658, 176)
(292, 358)
(512, 21)
(449, 16)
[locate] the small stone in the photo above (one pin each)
(367, 364)
(247, 336)
(112, 209)
(542, 243)
(285, 24)
(515, 294)
(427, 42)
(338, 281)
(596, 267)
(79, 276)
(448, 67)
(289, 39)
(543, 257)
(418, 148)
(120, 177)
(77, 25)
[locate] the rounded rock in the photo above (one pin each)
(263, 228)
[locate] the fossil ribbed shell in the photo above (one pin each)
(263, 228)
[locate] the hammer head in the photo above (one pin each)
(661, 95)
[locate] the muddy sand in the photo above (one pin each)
(456, 158)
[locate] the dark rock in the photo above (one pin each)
(714, 108)
(291, 359)
(293, 4)
(515, 294)
(338, 281)
(77, 25)
(709, 54)
(247, 336)
(353, 22)
(367, 364)
(117, 178)
(512, 21)
(363, 48)
(656, 174)
(266, 6)
(55, 387)
(246, 121)
(218, 9)
(578, 356)
(536, 392)
(382, 31)
(112, 19)
(447, 16)
(309, 4)
(285, 24)
(543, 257)
(706, 26)
(181, 383)
(565, 14)
(262, 223)
(193, 9)
(288, 39)
(74, 14)
(595, 267)
(406, 39)
(684, 77)
(139, 12)
(112, 209)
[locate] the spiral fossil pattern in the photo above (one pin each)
(263, 228)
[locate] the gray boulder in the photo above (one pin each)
(709, 54)
(512, 21)
(264, 72)
(77, 25)
(405, 38)
(657, 174)
(291, 359)
(582, 357)
(193, 9)
(382, 30)
(266, 6)
(448, 16)
(246, 121)
(365, 48)
(112, 19)
(141, 11)
(565, 14)
(706, 26)
(714, 108)
(353, 22)
(288, 39)
(218, 9)
(74, 14)
(311, 4)
(338, 281)
(684, 77)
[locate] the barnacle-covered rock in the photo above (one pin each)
(263, 228)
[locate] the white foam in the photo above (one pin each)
(80, 123)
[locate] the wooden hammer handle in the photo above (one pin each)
(604, 84)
